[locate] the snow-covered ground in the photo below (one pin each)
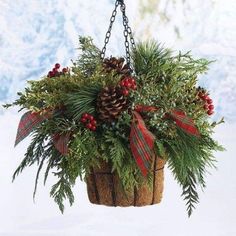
(35, 34)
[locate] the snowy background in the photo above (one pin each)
(37, 33)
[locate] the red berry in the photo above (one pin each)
(127, 84)
(57, 65)
(125, 92)
(94, 122)
(205, 106)
(122, 83)
(132, 80)
(55, 70)
(89, 126)
(134, 86)
(64, 70)
(51, 74)
(209, 101)
(93, 128)
(85, 115)
(211, 107)
(210, 112)
(205, 97)
(83, 120)
(90, 117)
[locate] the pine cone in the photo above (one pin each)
(110, 103)
(117, 65)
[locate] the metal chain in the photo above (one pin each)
(108, 33)
(127, 31)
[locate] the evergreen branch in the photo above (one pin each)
(37, 175)
(82, 101)
(61, 191)
(122, 160)
(189, 158)
(190, 193)
(33, 154)
(89, 58)
(52, 162)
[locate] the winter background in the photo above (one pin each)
(37, 33)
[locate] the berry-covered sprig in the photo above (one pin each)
(208, 102)
(89, 121)
(128, 83)
(55, 72)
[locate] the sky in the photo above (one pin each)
(36, 34)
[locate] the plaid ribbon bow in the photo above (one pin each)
(141, 143)
(30, 120)
(142, 140)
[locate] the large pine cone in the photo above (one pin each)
(116, 64)
(110, 103)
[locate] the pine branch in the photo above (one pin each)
(82, 101)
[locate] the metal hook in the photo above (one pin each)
(121, 1)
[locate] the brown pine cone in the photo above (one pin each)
(116, 64)
(111, 103)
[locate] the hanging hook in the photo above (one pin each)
(121, 1)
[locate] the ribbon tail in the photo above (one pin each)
(61, 142)
(28, 122)
(141, 143)
(184, 122)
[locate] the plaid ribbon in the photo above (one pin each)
(184, 122)
(142, 140)
(60, 142)
(30, 120)
(141, 143)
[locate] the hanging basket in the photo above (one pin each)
(104, 187)
(130, 110)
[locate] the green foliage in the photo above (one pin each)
(117, 152)
(63, 188)
(165, 81)
(82, 101)
(189, 158)
(89, 59)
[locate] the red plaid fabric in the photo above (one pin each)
(60, 142)
(31, 120)
(27, 123)
(180, 118)
(184, 122)
(141, 143)
(142, 140)
(142, 108)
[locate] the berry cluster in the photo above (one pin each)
(55, 72)
(208, 106)
(89, 121)
(128, 83)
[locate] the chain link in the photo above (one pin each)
(108, 33)
(129, 39)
